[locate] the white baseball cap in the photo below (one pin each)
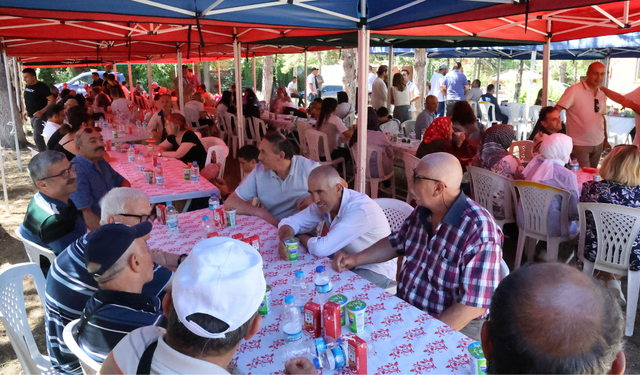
(444, 66)
(223, 278)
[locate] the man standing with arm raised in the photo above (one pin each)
(37, 98)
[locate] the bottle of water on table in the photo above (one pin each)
(172, 219)
(206, 227)
(131, 154)
(299, 289)
(159, 175)
(323, 285)
(575, 166)
(291, 321)
(140, 162)
(195, 172)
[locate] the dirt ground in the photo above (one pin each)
(20, 190)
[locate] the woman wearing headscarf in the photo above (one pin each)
(439, 137)
(549, 168)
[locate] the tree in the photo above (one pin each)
(6, 137)
(267, 77)
(419, 65)
(349, 80)
(516, 93)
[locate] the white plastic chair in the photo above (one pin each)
(302, 127)
(474, 106)
(410, 163)
(232, 134)
(408, 127)
(374, 183)
(516, 111)
(35, 251)
(89, 366)
(525, 150)
(617, 229)
(534, 113)
(258, 129)
(484, 184)
(13, 315)
(192, 116)
(348, 120)
(211, 141)
(221, 152)
(313, 138)
(392, 127)
(536, 201)
(487, 108)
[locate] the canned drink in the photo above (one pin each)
(292, 248)
(231, 217)
(478, 361)
(265, 305)
(148, 176)
(154, 160)
(187, 173)
(597, 177)
(109, 145)
(356, 311)
(342, 301)
(115, 134)
(161, 214)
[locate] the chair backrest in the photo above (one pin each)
(259, 128)
(35, 252)
(617, 229)
(515, 113)
(231, 121)
(371, 149)
(211, 141)
(302, 127)
(485, 183)
(536, 201)
(487, 108)
(348, 120)
(392, 127)
(410, 163)
(474, 106)
(314, 137)
(221, 152)
(534, 113)
(13, 315)
(191, 115)
(408, 127)
(221, 121)
(89, 366)
(395, 210)
(524, 148)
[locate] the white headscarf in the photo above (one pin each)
(555, 149)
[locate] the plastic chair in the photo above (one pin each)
(410, 163)
(617, 229)
(487, 108)
(536, 201)
(221, 152)
(313, 144)
(349, 119)
(89, 366)
(231, 130)
(221, 121)
(258, 129)
(192, 116)
(525, 150)
(13, 315)
(534, 113)
(515, 113)
(474, 106)
(408, 127)
(302, 127)
(374, 183)
(211, 141)
(392, 127)
(484, 184)
(35, 251)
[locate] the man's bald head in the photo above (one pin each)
(443, 167)
(326, 174)
(595, 74)
(551, 318)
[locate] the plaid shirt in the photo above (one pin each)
(459, 261)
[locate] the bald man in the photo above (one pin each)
(426, 117)
(452, 247)
(354, 220)
(586, 106)
(550, 318)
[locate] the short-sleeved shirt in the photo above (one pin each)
(457, 262)
(584, 125)
(278, 197)
(68, 288)
(473, 94)
(93, 184)
(455, 82)
(196, 153)
(291, 87)
(52, 223)
(634, 96)
(121, 105)
(437, 80)
(157, 121)
(35, 97)
(311, 80)
(110, 315)
(49, 129)
(333, 127)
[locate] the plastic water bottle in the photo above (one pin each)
(172, 219)
(131, 154)
(195, 172)
(159, 175)
(331, 359)
(323, 285)
(214, 202)
(206, 227)
(140, 162)
(575, 166)
(291, 320)
(299, 289)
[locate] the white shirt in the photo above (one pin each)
(371, 78)
(165, 360)
(414, 92)
(122, 105)
(278, 197)
(634, 96)
(378, 93)
(401, 97)
(344, 109)
(192, 110)
(291, 87)
(359, 224)
(473, 94)
(437, 80)
(49, 129)
(155, 122)
(584, 125)
(311, 80)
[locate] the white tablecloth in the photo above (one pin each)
(620, 126)
(405, 339)
(175, 186)
(405, 148)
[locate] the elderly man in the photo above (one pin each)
(475, 92)
(426, 117)
(586, 106)
(213, 307)
(158, 120)
(279, 181)
(52, 220)
(454, 87)
(379, 88)
(452, 247)
(549, 122)
(95, 176)
(552, 319)
(354, 220)
(55, 118)
(69, 285)
(117, 257)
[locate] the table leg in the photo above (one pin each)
(186, 206)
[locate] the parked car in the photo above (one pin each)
(77, 83)
(329, 91)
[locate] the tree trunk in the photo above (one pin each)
(6, 137)
(267, 77)
(516, 93)
(320, 62)
(350, 79)
(563, 71)
(575, 72)
(419, 64)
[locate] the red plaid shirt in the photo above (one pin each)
(459, 261)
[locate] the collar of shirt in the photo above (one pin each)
(586, 87)
(273, 174)
(173, 359)
(83, 162)
(346, 195)
(452, 217)
(54, 202)
(136, 301)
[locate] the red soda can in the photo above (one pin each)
(154, 160)
(161, 214)
(109, 145)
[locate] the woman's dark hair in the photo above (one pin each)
(328, 106)
(372, 120)
(64, 95)
(398, 82)
(342, 97)
(226, 98)
(251, 96)
(179, 120)
(102, 101)
(462, 113)
(80, 99)
(539, 98)
(77, 116)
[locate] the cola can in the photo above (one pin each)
(161, 214)
(109, 145)
(154, 160)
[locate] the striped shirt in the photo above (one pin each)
(110, 315)
(68, 288)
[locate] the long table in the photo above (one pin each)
(405, 148)
(138, 134)
(280, 121)
(405, 339)
(175, 186)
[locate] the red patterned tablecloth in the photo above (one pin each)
(406, 340)
(175, 186)
(405, 148)
(583, 177)
(138, 134)
(279, 121)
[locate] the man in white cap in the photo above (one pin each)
(436, 83)
(217, 291)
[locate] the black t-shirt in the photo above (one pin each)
(35, 97)
(97, 83)
(196, 153)
(54, 140)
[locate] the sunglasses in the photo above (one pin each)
(142, 218)
(596, 105)
(64, 174)
(416, 176)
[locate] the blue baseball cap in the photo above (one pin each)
(107, 244)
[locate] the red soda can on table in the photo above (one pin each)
(219, 218)
(161, 214)
(108, 145)
(312, 319)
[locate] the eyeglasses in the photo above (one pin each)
(142, 218)
(64, 174)
(416, 176)
(596, 105)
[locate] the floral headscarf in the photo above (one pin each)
(495, 145)
(440, 128)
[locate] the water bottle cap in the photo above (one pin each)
(205, 218)
(195, 163)
(320, 269)
(159, 164)
(316, 363)
(339, 341)
(214, 194)
(299, 274)
(169, 202)
(289, 299)
(140, 153)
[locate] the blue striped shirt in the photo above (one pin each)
(68, 288)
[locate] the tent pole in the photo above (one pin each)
(425, 84)
(390, 77)
(546, 56)
(219, 80)
(254, 72)
(498, 80)
(206, 78)
(150, 81)
(180, 78)
(130, 80)
(237, 59)
(532, 69)
(13, 115)
(4, 182)
(306, 93)
(363, 69)
(607, 64)
(16, 80)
